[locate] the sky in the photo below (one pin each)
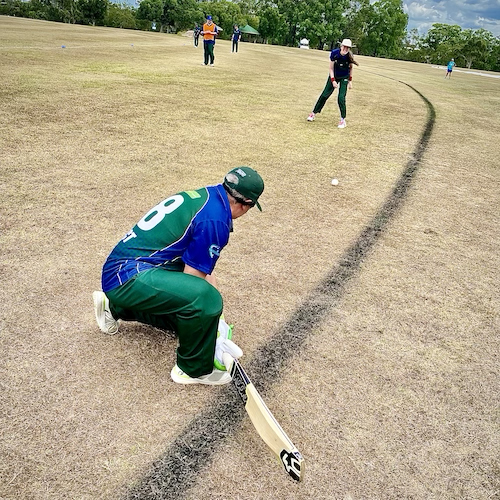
(468, 14)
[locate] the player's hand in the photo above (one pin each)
(225, 344)
(349, 85)
(335, 84)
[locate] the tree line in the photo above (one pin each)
(378, 29)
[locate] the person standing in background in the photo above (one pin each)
(449, 69)
(340, 76)
(196, 34)
(235, 38)
(209, 33)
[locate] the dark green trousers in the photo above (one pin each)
(188, 305)
(208, 52)
(328, 91)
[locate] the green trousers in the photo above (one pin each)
(328, 91)
(208, 52)
(185, 304)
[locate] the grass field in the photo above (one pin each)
(368, 314)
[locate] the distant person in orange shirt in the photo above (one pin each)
(209, 33)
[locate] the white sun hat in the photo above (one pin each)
(346, 42)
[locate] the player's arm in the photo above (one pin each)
(211, 279)
(332, 76)
(194, 272)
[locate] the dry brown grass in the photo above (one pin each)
(395, 395)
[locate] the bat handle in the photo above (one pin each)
(227, 360)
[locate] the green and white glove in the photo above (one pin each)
(225, 344)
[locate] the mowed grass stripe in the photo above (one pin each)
(173, 473)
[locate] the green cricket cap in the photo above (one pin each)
(247, 182)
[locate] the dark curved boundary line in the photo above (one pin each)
(173, 473)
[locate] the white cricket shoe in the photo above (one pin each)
(103, 315)
(217, 377)
(310, 118)
(342, 123)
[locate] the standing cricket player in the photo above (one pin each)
(340, 76)
(161, 274)
(449, 68)
(209, 33)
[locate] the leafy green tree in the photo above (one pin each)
(470, 48)
(150, 10)
(494, 55)
(476, 46)
(92, 11)
(225, 14)
(120, 16)
(289, 10)
(35, 9)
(271, 23)
(170, 14)
(412, 50)
(248, 13)
(358, 15)
(65, 11)
(441, 42)
(187, 13)
(247, 7)
(322, 21)
(386, 29)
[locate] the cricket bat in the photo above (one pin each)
(263, 420)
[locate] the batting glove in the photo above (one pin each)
(225, 344)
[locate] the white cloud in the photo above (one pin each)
(421, 12)
(468, 14)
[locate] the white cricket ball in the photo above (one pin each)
(335, 182)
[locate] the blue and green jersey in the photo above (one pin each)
(190, 228)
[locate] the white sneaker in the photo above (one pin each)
(342, 123)
(217, 377)
(310, 118)
(103, 315)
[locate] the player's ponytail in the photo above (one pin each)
(351, 58)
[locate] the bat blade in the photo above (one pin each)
(264, 421)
